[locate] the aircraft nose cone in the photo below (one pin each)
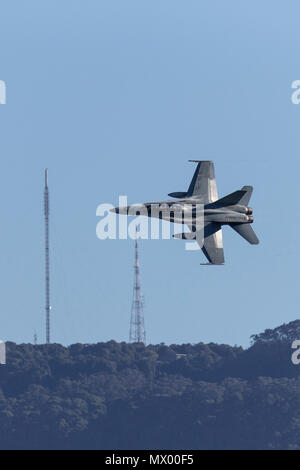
(115, 209)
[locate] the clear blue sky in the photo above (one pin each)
(114, 97)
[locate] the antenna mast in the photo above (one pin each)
(137, 333)
(47, 262)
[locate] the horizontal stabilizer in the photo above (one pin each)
(247, 232)
(242, 197)
(248, 193)
(231, 199)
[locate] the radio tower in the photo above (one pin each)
(47, 264)
(137, 332)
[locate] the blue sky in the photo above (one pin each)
(114, 97)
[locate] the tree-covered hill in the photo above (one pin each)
(128, 396)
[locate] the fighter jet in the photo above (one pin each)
(202, 193)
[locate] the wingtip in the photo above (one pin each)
(199, 161)
(212, 264)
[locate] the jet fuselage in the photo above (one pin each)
(203, 212)
(189, 212)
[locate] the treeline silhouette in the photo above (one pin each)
(128, 396)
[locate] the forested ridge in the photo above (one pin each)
(128, 396)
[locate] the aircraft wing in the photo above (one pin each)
(212, 245)
(203, 185)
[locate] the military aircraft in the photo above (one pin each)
(201, 201)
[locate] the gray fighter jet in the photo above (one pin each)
(201, 203)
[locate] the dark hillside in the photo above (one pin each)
(128, 396)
